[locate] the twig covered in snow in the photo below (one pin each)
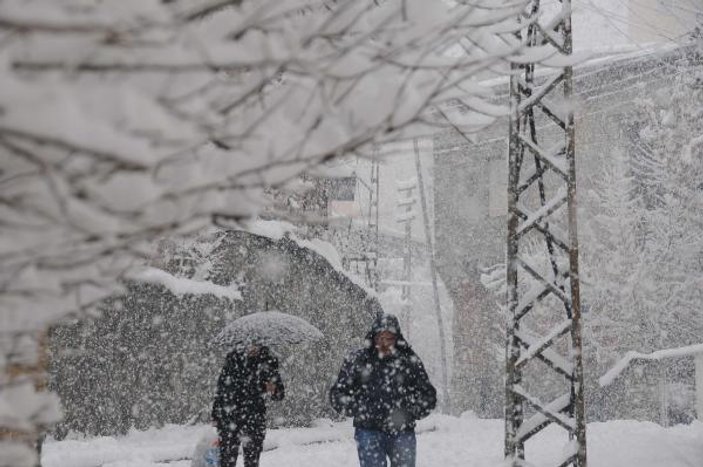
(124, 121)
(185, 286)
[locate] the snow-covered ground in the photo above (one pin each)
(442, 441)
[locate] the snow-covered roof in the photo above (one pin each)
(273, 229)
(277, 230)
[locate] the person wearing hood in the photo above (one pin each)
(248, 377)
(385, 387)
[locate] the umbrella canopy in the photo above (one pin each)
(268, 328)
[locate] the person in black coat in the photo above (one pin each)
(239, 409)
(385, 387)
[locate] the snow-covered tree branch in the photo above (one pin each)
(124, 121)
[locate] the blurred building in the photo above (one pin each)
(470, 211)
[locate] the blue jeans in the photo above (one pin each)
(375, 446)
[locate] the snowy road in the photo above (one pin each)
(443, 442)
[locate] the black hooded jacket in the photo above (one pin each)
(387, 394)
(239, 398)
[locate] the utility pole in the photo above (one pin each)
(372, 275)
(406, 215)
(433, 273)
(542, 205)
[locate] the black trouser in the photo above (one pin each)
(249, 434)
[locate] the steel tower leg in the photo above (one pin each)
(544, 368)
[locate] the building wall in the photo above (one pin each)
(470, 210)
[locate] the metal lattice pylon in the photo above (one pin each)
(406, 215)
(544, 381)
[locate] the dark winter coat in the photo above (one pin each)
(239, 398)
(387, 394)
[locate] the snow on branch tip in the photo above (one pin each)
(184, 286)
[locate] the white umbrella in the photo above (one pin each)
(268, 328)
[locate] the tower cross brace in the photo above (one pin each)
(544, 366)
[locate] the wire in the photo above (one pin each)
(646, 23)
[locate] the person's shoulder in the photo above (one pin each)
(232, 361)
(410, 356)
(268, 357)
(356, 355)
